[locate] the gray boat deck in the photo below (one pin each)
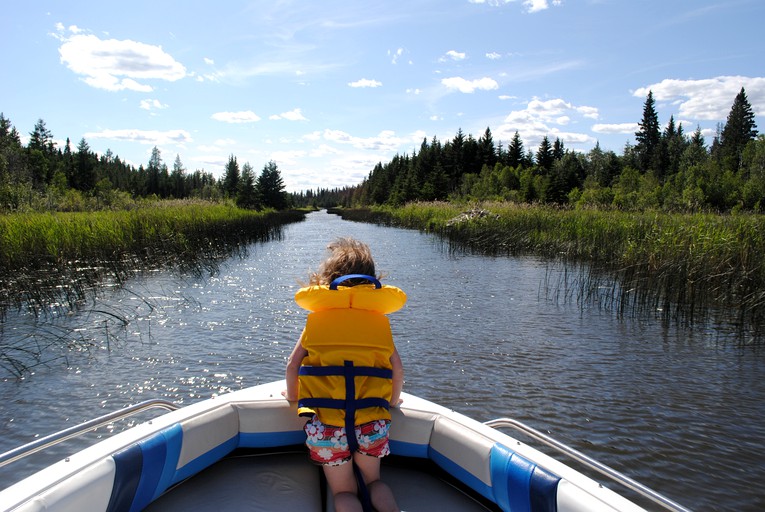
(289, 481)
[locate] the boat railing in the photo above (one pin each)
(589, 462)
(82, 428)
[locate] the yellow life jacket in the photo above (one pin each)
(349, 344)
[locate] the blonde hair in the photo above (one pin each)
(346, 256)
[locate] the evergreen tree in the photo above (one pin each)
(649, 136)
(515, 152)
(558, 149)
(247, 195)
(231, 177)
(178, 179)
(85, 168)
(487, 153)
(739, 130)
(270, 187)
(545, 157)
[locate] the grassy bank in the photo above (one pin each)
(688, 267)
(40, 251)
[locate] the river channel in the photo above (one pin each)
(673, 407)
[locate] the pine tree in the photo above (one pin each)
(739, 130)
(231, 177)
(545, 157)
(270, 187)
(247, 196)
(649, 137)
(515, 152)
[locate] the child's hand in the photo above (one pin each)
(284, 394)
(398, 403)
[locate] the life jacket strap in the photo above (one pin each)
(341, 279)
(350, 404)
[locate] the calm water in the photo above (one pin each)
(673, 408)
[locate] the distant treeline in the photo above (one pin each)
(666, 169)
(43, 177)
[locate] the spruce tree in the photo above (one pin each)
(738, 131)
(545, 156)
(270, 187)
(515, 152)
(649, 136)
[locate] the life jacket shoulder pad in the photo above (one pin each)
(384, 300)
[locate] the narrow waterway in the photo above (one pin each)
(674, 408)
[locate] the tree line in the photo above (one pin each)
(664, 169)
(43, 176)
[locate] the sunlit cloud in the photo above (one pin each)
(543, 118)
(453, 55)
(707, 99)
(152, 137)
(152, 105)
(246, 116)
(116, 65)
(292, 115)
(365, 83)
(615, 128)
(469, 86)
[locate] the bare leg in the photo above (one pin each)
(342, 484)
(379, 493)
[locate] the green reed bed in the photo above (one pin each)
(43, 255)
(694, 267)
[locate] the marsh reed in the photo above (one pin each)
(52, 264)
(692, 268)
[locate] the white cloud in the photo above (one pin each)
(387, 140)
(469, 86)
(707, 99)
(209, 61)
(452, 55)
(493, 56)
(396, 55)
(539, 5)
(246, 116)
(543, 118)
(615, 128)
(116, 65)
(152, 104)
(365, 83)
(152, 137)
(292, 115)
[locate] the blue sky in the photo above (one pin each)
(327, 89)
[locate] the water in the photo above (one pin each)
(674, 408)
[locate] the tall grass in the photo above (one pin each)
(690, 267)
(43, 255)
(53, 263)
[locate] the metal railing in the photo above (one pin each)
(591, 463)
(82, 428)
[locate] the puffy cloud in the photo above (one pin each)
(246, 116)
(292, 115)
(469, 86)
(452, 55)
(707, 99)
(493, 56)
(116, 65)
(152, 104)
(545, 118)
(539, 5)
(365, 83)
(615, 128)
(152, 137)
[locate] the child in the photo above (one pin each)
(347, 347)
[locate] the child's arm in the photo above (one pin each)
(291, 373)
(398, 378)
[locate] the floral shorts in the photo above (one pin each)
(328, 445)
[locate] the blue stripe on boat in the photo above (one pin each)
(128, 464)
(461, 474)
(520, 484)
(270, 439)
